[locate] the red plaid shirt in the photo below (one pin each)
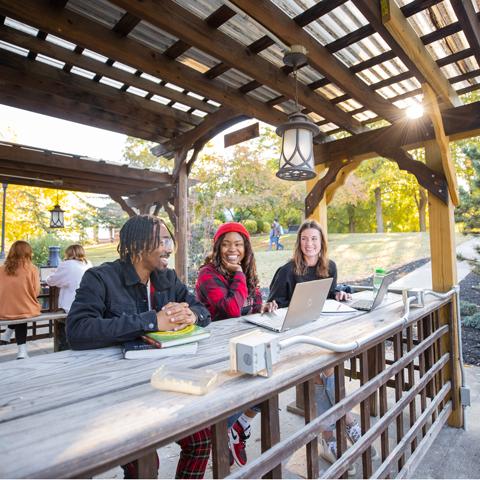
(226, 297)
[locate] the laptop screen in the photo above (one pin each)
(382, 291)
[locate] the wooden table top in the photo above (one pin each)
(70, 412)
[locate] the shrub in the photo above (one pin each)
(40, 247)
(250, 225)
(263, 226)
(467, 308)
(472, 321)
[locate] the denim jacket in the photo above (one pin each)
(111, 305)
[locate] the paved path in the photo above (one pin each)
(422, 277)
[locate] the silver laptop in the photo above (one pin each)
(305, 306)
(369, 305)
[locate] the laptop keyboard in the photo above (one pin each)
(362, 304)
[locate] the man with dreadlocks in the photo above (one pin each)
(121, 300)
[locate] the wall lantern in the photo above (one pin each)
(56, 216)
(296, 158)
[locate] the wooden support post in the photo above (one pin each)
(341, 423)
(181, 211)
(271, 431)
(220, 455)
(310, 414)
(444, 274)
(320, 212)
(148, 465)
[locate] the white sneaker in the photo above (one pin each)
(328, 451)
(354, 433)
(22, 352)
(7, 335)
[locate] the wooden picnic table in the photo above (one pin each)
(79, 413)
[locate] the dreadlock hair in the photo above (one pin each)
(140, 234)
(299, 264)
(20, 254)
(248, 262)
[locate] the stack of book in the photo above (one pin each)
(165, 343)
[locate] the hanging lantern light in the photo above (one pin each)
(56, 216)
(296, 157)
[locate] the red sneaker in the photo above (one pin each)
(236, 442)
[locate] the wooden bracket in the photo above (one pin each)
(442, 140)
(433, 181)
(338, 171)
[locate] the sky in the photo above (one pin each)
(52, 133)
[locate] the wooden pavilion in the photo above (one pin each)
(178, 72)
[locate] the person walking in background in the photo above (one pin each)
(228, 286)
(67, 277)
(272, 240)
(277, 233)
(19, 288)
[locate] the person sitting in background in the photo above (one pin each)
(19, 288)
(122, 300)
(310, 262)
(67, 277)
(69, 274)
(227, 285)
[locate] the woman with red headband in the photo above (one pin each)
(227, 285)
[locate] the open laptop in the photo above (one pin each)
(305, 306)
(369, 305)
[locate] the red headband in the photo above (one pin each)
(230, 227)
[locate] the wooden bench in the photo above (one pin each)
(45, 319)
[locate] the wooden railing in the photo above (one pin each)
(404, 381)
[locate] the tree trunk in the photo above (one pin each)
(351, 218)
(378, 209)
(422, 210)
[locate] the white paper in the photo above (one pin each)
(332, 306)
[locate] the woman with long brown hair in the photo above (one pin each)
(19, 288)
(310, 262)
(228, 286)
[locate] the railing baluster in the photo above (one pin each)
(365, 364)
(220, 454)
(310, 408)
(339, 395)
(397, 353)
(411, 382)
(271, 431)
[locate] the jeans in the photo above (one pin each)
(325, 396)
(233, 418)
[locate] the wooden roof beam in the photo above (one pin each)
(460, 122)
(403, 33)
(74, 59)
(470, 23)
(89, 34)
(176, 20)
(49, 80)
(19, 96)
(264, 11)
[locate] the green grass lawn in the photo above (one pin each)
(356, 255)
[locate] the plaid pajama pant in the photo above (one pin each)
(194, 454)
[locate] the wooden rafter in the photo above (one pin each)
(49, 49)
(403, 33)
(470, 23)
(52, 81)
(89, 34)
(176, 20)
(442, 140)
(263, 11)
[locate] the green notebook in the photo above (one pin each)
(192, 333)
